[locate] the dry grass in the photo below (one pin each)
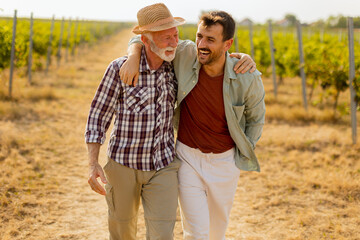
(42, 151)
(287, 106)
(309, 187)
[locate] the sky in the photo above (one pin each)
(125, 10)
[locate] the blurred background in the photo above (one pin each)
(54, 53)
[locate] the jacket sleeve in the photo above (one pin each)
(254, 110)
(135, 39)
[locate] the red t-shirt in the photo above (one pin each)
(202, 118)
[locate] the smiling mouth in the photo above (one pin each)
(204, 52)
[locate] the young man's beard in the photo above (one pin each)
(212, 57)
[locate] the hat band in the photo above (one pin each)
(157, 23)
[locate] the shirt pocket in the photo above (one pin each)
(240, 115)
(137, 99)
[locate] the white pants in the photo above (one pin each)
(207, 186)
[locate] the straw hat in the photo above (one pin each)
(156, 17)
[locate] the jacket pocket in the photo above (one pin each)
(138, 99)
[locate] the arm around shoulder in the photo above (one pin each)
(129, 71)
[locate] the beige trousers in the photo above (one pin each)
(207, 186)
(158, 191)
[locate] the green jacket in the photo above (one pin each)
(243, 99)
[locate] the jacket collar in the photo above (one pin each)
(228, 69)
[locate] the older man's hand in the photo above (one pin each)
(244, 64)
(95, 171)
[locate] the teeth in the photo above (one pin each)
(204, 52)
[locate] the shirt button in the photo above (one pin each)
(194, 81)
(184, 93)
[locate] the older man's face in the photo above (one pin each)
(164, 43)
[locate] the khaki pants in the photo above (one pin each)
(158, 191)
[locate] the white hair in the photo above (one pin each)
(148, 35)
(160, 51)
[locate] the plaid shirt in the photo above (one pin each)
(143, 135)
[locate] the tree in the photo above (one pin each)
(291, 18)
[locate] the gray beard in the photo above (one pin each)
(160, 52)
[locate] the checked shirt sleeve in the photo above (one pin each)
(103, 106)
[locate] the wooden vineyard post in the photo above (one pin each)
(272, 50)
(251, 40)
(236, 40)
(12, 58)
(60, 42)
(75, 36)
(302, 64)
(353, 103)
(30, 48)
(68, 41)
(48, 59)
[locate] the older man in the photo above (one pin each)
(221, 119)
(141, 149)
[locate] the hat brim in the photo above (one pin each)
(177, 21)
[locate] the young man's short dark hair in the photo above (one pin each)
(222, 18)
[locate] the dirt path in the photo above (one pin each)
(79, 212)
(47, 196)
(75, 211)
(308, 188)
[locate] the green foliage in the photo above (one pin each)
(262, 51)
(340, 21)
(5, 46)
(87, 32)
(325, 53)
(356, 80)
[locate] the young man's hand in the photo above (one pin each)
(129, 71)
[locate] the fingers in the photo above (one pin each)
(253, 68)
(245, 67)
(235, 55)
(127, 78)
(136, 79)
(244, 64)
(95, 172)
(239, 64)
(95, 186)
(121, 73)
(125, 75)
(102, 177)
